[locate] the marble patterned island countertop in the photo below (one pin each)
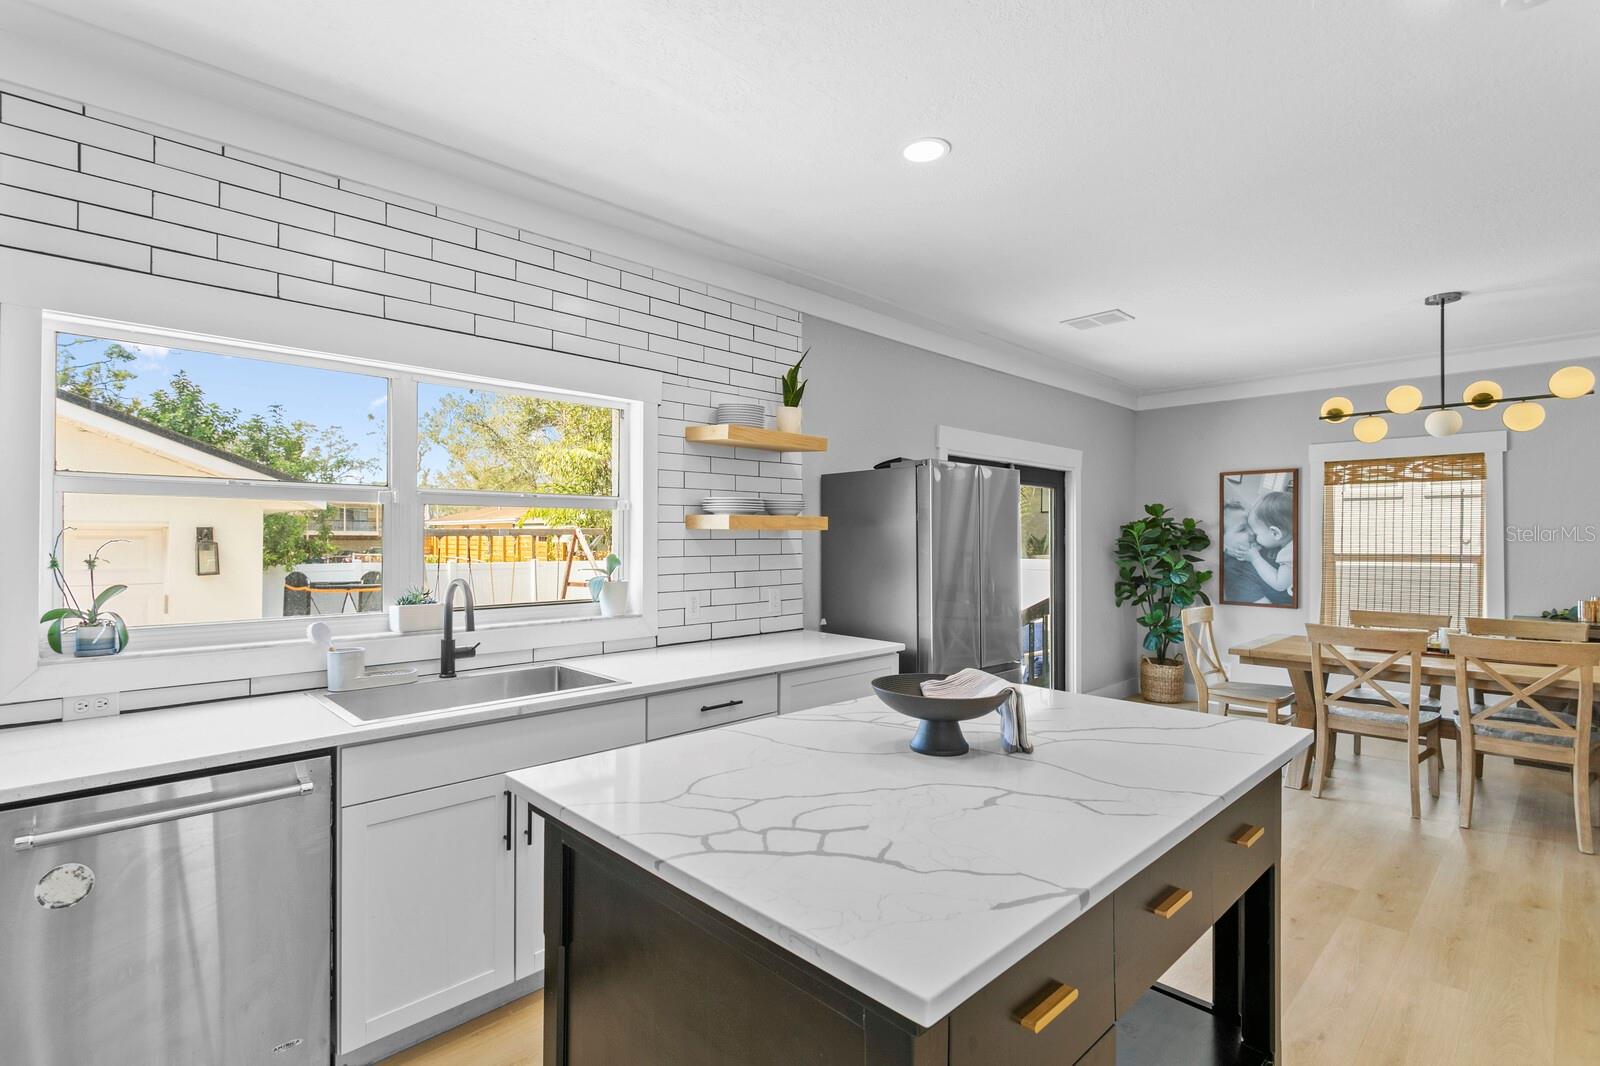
(914, 880)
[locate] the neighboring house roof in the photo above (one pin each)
(485, 518)
(133, 422)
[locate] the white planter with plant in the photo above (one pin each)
(610, 591)
(416, 611)
(794, 390)
(98, 632)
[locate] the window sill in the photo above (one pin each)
(140, 668)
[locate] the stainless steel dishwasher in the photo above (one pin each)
(183, 923)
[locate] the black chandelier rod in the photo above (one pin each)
(1458, 403)
(1442, 305)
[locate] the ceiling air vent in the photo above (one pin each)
(1098, 319)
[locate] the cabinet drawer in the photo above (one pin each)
(1160, 913)
(818, 686)
(1245, 839)
(709, 705)
(393, 767)
(1104, 1052)
(988, 1029)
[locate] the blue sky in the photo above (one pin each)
(357, 404)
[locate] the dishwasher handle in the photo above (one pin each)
(303, 787)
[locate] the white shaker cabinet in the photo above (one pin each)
(427, 911)
(529, 847)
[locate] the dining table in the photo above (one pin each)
(1292, 653)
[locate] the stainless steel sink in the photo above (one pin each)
(468, 690)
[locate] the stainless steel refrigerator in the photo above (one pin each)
(926, 553)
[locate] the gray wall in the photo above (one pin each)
(876, 399)
(1550, 480)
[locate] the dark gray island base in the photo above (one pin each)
(640, 972)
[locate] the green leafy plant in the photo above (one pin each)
(612, 565)
(415, 596)
(794, 390)
(95, 615)
(1564, 614)
(1157, 573)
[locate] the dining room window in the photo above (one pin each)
(1404, 534)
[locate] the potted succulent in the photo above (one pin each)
(99, 631)
(416, 611)
(794, 390)
(609, 591)
(1157, 572)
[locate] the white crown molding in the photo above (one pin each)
(1578, 347)
(156, 85)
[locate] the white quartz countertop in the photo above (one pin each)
(914, 880)
(57, 757)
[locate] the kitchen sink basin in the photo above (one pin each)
(468, 690)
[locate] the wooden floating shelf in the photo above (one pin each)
(804, 523)
(750, 437)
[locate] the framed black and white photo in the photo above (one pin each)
(1259, 538)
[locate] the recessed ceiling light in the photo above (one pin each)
(926, 150)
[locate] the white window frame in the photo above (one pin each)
(105, 301)
(1491, 445)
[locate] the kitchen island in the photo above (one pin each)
(805, 889)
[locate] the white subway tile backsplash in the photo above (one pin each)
(276, 208)
(18, 111)
(211, 272)
(215, 219)
(25, 203)
(71, 244)
(232, 171)
(57, 181)
(40, 147)
(144, 230)
(210, 214)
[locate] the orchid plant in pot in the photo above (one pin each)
(99, 631)
(794, 390)
(610, 591)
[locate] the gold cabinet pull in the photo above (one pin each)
(1048, 1009)
(1172, 903)
(1247, 837)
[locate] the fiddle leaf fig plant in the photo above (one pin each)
(1158, 572)
(612, 565)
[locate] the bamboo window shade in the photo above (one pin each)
(1403, 534)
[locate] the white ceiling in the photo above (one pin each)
(1269, 186)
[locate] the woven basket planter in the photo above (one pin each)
(1161, 682)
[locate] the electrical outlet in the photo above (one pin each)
(694, 605)
(774, 600)
(101, 706)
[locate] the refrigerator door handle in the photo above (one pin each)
(28, 841)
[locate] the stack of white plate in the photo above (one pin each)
(784, 507)
(733, 505)
(741, 414)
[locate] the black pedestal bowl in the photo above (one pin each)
(940, 732)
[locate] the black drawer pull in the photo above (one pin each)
(721, 706)
(509, 810)
(528, 829)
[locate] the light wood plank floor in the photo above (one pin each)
(1404, 942)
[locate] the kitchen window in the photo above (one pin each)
(230, 484)
(1404, 534)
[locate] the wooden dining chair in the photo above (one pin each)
(1211, 676)
(1399, 620)
(1396, 717)
(1522, 724)
(1432, 623)
(1529, 629)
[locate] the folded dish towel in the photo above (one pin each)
(973, 683)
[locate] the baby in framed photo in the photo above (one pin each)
(1260, 524)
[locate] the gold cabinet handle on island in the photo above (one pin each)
(1172, 903)
(1048, 1009)
(1247, 837)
